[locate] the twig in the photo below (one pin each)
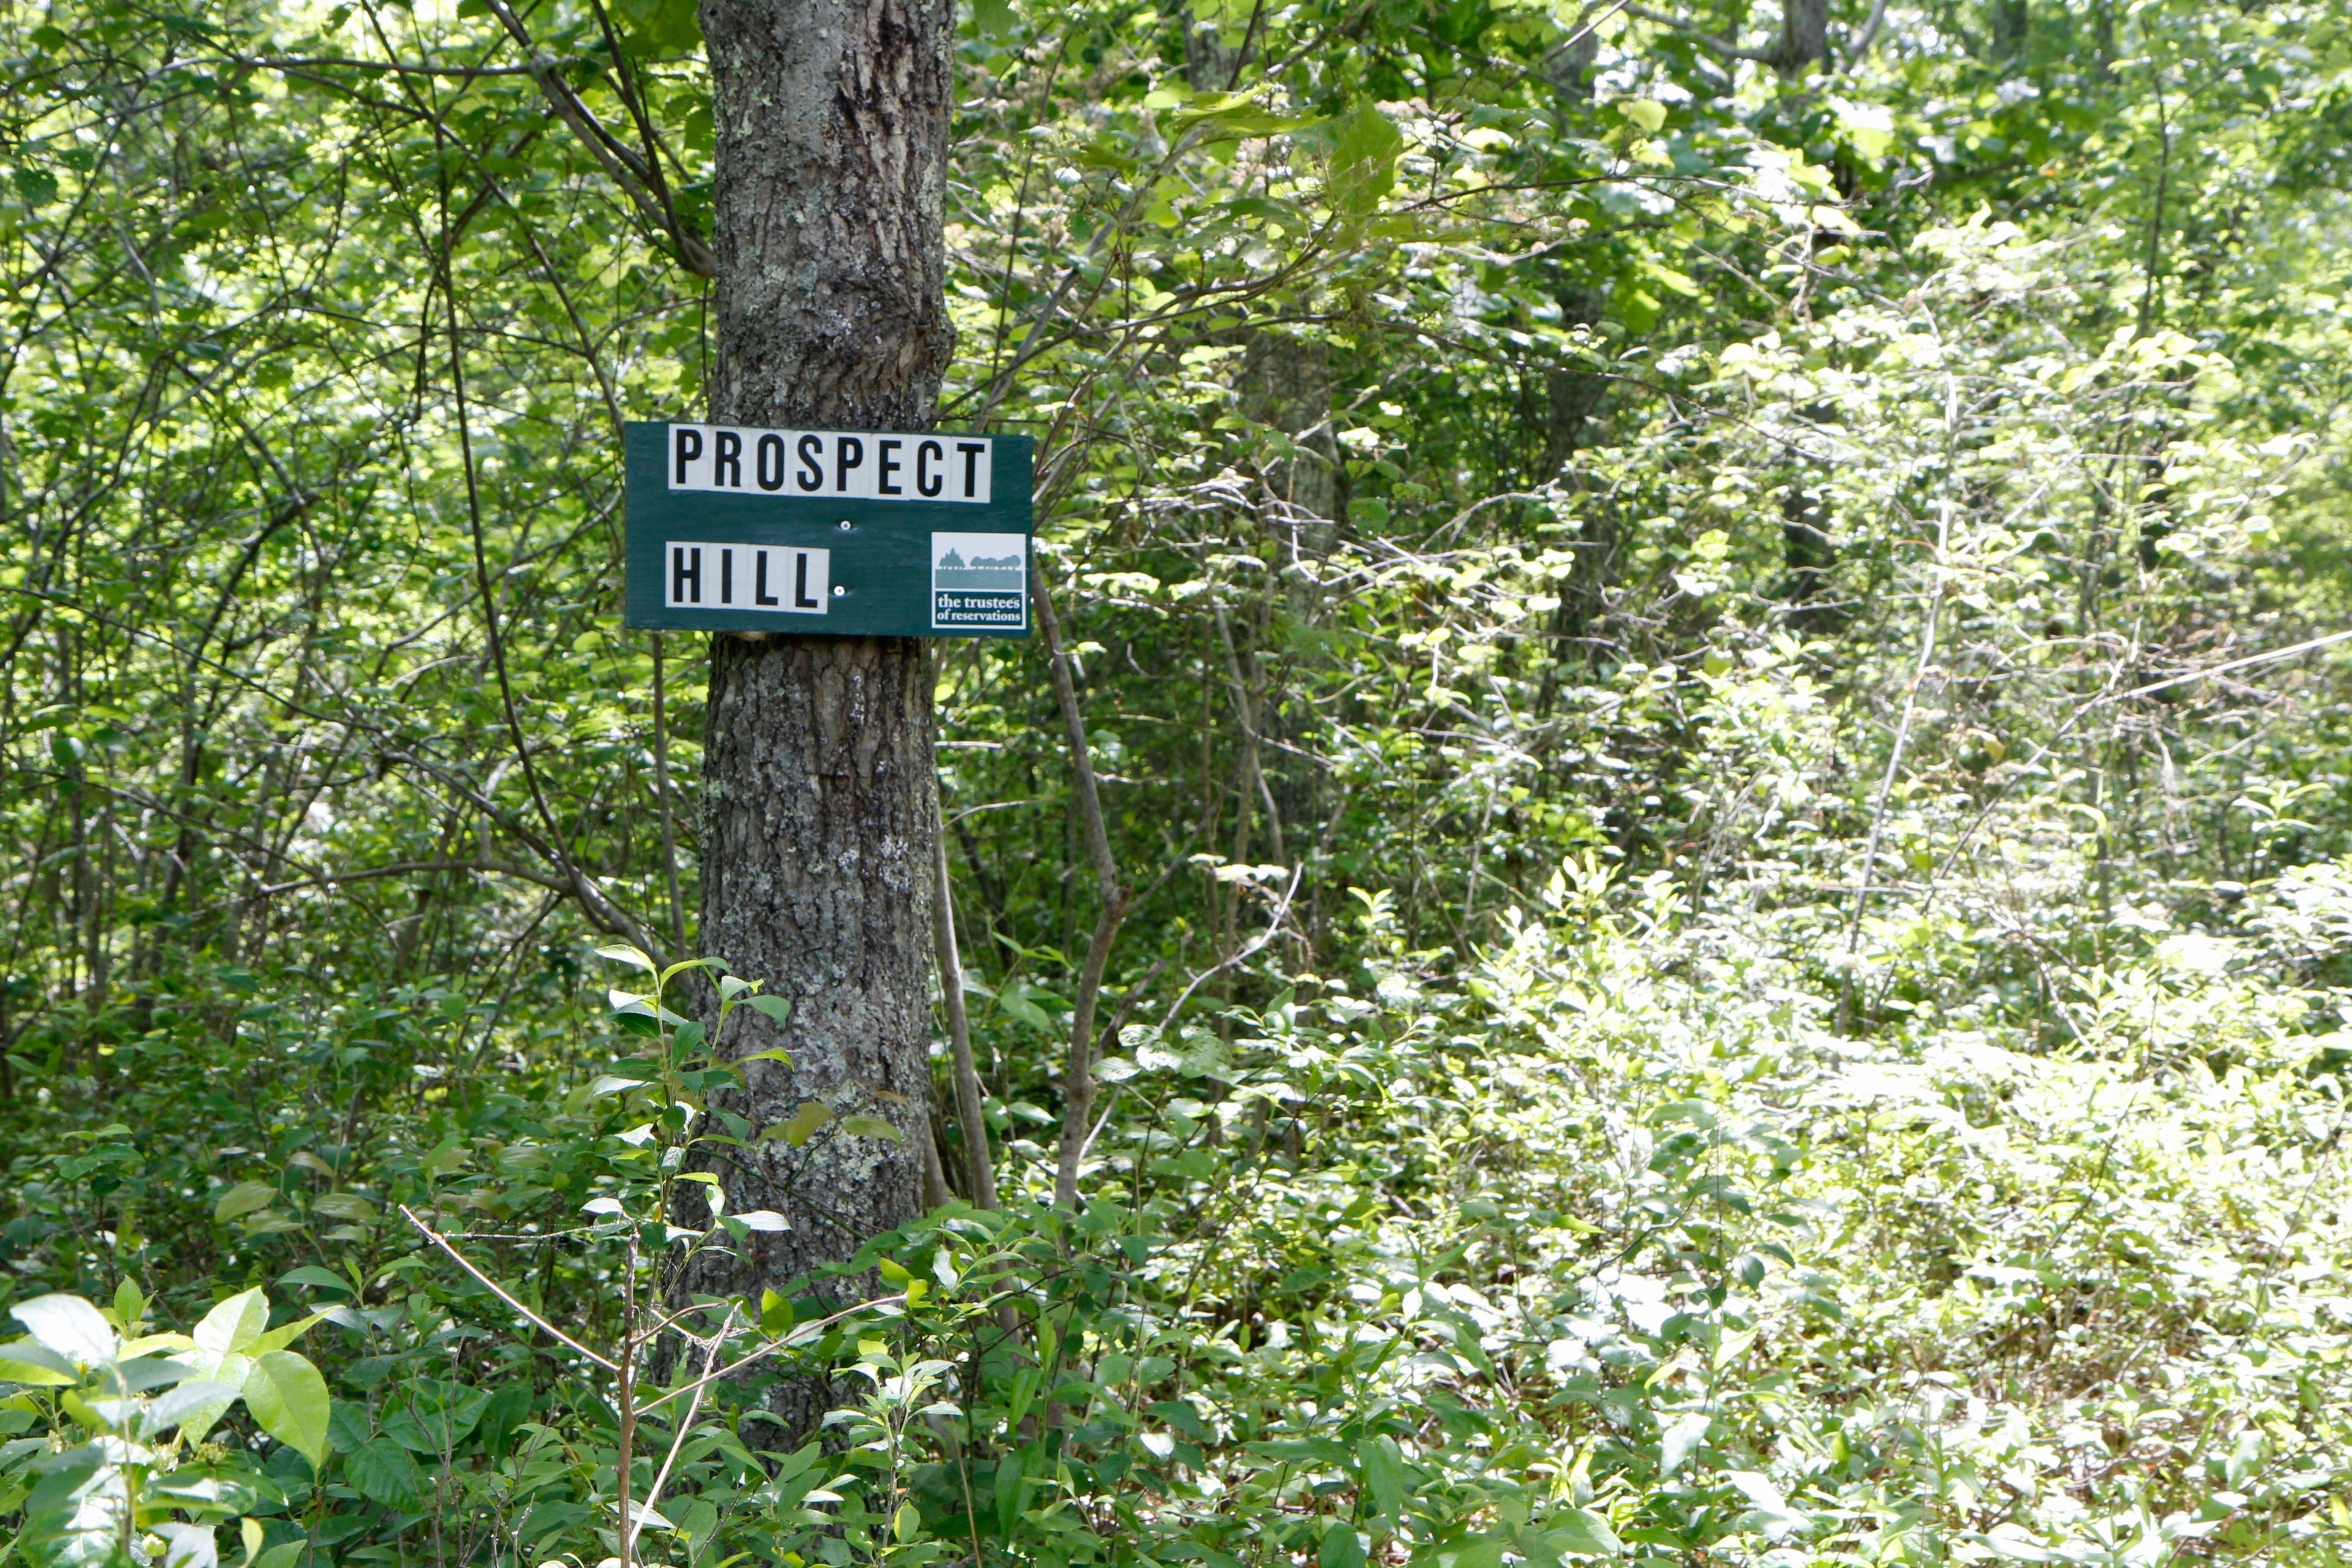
(1281, 913)
(980, 1167)
(798, 1333)
(677, 1439)
(1895, 761)
(502, 1293)
(1078, 1082)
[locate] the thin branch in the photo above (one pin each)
(1079, 1081)
(980, 1166)
(502, 1293)
(799, 1333)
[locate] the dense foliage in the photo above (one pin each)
(1711, 639)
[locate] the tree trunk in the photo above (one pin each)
(819, 842)
(1804, 35)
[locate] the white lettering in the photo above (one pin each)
(730, 459)
(771, 578)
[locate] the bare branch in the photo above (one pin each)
(502, 1293)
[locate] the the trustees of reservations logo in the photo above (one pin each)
(979, 579)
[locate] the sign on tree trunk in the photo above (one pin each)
(869, 533)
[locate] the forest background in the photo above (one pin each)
(1707, 637)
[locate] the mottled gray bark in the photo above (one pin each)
(1286, 382)
(1804, 35)
(832, 139)
(818, 843)
(1211, 64)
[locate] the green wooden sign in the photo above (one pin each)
(848, 533)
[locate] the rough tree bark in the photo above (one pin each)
(1804, 35)
(818, 846)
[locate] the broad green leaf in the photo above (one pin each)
(622, 953)
(1582, 1532)
(435, 1416)
(778, 1008)
(381, 1471)
(69, 1326)
(189, 1545)
(1365, 145)
(73, 1518)
(235, 1324)
(1342, 1548)
(223, 1379)
(1683, 1437)
(862, 1126)
(613, 1083)
(1645, 112)
(1384, 1477)
(192, 1406)
(289, 1399)
(674, 970)
(310, 1274)
(243, 1199)
(348, 1426)
(803, 1123)
(34, 1363)
(345, 1206)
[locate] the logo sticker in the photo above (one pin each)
(979, 579)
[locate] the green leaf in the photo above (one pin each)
(284, 1554)
(775, 1313)
(381, 1471)
(1384, 1477)
(803, 1124)
(235, 1323)
(1647, 112)
(870, 1127)
(347, 1427)
(38, 187)
(192, 1407)
(1582, 1531)
(30, 1363)
(435, 1416)
(1365, 145)
(243, 1199)
(130, 1305)
(73, 1518)
(1342, 1548)
(776, 1007)
(1017, 1002)
(69, 1326)
(288, 1398)
(313, 1274)
(620, 952)
(189, 1545)
(1681, 1439)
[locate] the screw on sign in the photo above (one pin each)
(851, 533)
